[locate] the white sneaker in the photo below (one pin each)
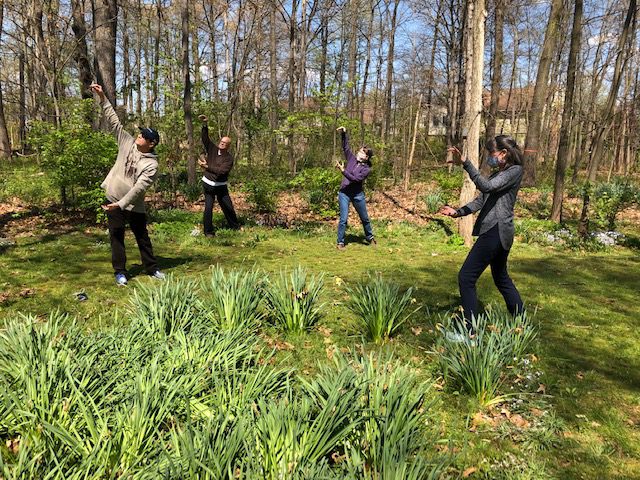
(454, 337)
(158, 275)
(121, 279)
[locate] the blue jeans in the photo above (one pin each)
(360, 205)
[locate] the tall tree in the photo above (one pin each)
(534, 127)
(81, 52)
(105, 18)
(474, 61)
(564, 146)
(496, 67)
(187, 103)
(5, 144)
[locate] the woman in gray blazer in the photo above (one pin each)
(494, 225)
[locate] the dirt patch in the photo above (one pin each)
(18, 220)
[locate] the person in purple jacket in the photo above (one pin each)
(354, 172)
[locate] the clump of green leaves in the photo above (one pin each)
(611, 198)
(76, 156)
(292, 300)
(320, 188)
(478, 362)
(380, 307)
(263, 193)
(233, 297)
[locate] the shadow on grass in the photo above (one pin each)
(166, 264)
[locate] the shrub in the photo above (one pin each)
(320, 187)
(611, 198)
(293, 300)
(233, 298)
(379, 307)
(77, 157)
(395, 440)
(434, 200)
(166, 307)
(478, 362)
(263, 193)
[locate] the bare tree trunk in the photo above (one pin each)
(496, 68)
(5, 144)
(353, 30)
(187, 103)
(273, 82)
(293, 26)
(105, 17)
(564, 147)
(407, 171)
(549, 46)
(474, 60)
(81, 53)
(365, 74)
(22, 105)
(389, 82)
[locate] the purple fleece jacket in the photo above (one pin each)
(355, 172)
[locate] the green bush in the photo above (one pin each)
(320, 187)
(77, 157)
(479, 362)
(380, 307)
(263, 193)
(292, 300)
(611, 198)
(233, 298)
(434, 201)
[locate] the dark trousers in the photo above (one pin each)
(487, 251)
(138, 221)
(220, 193)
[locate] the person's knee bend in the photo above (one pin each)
(465, 278)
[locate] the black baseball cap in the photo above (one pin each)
(150, 134)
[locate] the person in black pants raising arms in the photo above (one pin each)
(216, 167)
(494, 225)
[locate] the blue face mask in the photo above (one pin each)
(492, 161)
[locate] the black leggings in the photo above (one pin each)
(487, 250)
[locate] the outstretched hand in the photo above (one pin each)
(202, 161)
(447, 211)
(97, 89)
(456, 156)
(341, 129)
(110, 207)
(203, 118)
(340, 165)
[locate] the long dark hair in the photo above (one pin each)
(504, 142)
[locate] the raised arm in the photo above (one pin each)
(110, 114)
(345, 142)
(502, 181)
(206, 141)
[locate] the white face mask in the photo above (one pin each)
(362, 157)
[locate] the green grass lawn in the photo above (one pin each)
(588, 349)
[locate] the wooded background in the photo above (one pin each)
(279, 77)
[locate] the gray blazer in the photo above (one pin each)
(495, 202)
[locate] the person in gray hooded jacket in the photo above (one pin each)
(134, 171)
(494, 225)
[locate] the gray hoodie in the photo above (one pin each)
(496, 201)
(133, 171)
